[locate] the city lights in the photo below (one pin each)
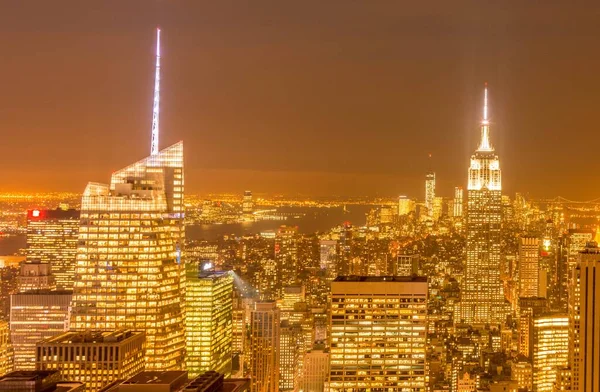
(337, 227)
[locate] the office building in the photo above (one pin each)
(35, 275)
(574, 308)
(36, 315)
(529, 268)
(328, 257)
(247, 203)
(457, 206)
(286, 258)
(522, 372)
(588, 358)
(289, 356)
(405, 205)
(407, 265)
(52, 239)
(129, 272)
(438, 207)
(482, 295)
(209, 317)
(264, 347)
(239, 323)
(315, 370)
(292, 295)
(38, 381)
(6, 352)
(429, 192)
(178, 381)
(93, 358)
(576, 242)
(529, 308)
(378, 333)
(550, 349)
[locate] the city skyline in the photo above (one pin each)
(235, 144)
(334, 275)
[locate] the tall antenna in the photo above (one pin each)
(485, 105)
(156, 107)
(485, 125)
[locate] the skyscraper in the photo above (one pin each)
(52, 239)
(129, 271)
(482, 296)
(6, 352)
(429, 192)
(550, 349)
(458, 202)
(264, 347)
(247, 203)
(316, 370)
(208, 306)
(405, 205)
(529, 268)
(36, 315)
(286, 257)
(406, 265)
(588, 358)
(289, 356)
(378, 335)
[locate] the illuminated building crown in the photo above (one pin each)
(484, 171)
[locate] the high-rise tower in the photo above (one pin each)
(129, 270)
(52, 239)
(429, 191)
(378, 333)
(482, 296)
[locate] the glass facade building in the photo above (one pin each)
(129, 272)
(209, 320)
(550, 349)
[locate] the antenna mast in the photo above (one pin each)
(156, 106)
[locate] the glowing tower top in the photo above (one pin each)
(484, 171)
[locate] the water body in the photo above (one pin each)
(11, 245)
(309, 220)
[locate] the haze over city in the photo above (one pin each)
(314, 98)
(341, 196)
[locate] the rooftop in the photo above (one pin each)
(28, 375)
(91, 337)
(405, 279)
(59, 213)
(157, 377)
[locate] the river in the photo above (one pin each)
(309, 220)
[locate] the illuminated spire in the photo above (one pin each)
(485, 126)
(156, 107)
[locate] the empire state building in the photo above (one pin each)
(482, 296)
